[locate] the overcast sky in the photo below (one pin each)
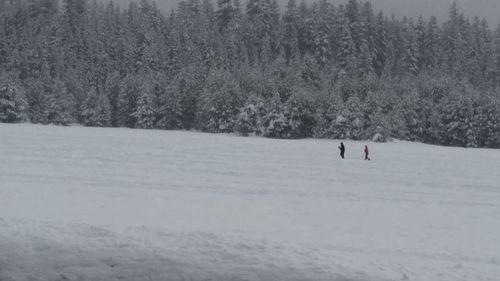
(489, 9)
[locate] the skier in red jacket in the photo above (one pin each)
(367, 153)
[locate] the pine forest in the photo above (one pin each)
(314, 70)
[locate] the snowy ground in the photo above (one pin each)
(117, 204)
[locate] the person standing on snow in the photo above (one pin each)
(367, 153)
(342, 150)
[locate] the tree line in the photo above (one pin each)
(305, 70)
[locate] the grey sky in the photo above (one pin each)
(488, 9)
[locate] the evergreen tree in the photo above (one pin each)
(12, 100)
(170, 112)
(96, 109)
(275, 123)
(75, 16)
(380, 45)
(290, 36)
(431, 49)
(420, 42)
(376, 125)
(349, 121)
(496, 57)
(112, 90)
(454, 42)
(145, 113)
(129, 92)
(305, 37)
(411, 48)
(346, 53)
(323, 27)
(487, 123)
(225, 14)
(58, 104)
(457, 120)
(222, 100)
(188, 85)
(249, 119)
(300, 114)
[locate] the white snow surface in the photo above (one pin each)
(117, 204)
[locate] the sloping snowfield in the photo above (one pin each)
(117, 204)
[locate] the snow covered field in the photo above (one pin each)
(117, 204)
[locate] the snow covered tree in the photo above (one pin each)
(411, 126)
(431, 58)
(487, 123)
(323, 26)
(454, 42)
(346, 53)
(349, 121)
(221, 101)
(420, 42)
(145, 113)
(275, 124)
(12, 101)
(58, 104)
(310, 73)
(96, 109)
(225, 14)
(249, 119)
(127, 101)
(410, 41)
(305, 37)
(290, 36)
(74, 20)
(496, 57)
(112, 89)
(263, 25)
(380, 45)
(457, 119)
(329, 104)
(376, 123)
(300, 113)
(169, 108)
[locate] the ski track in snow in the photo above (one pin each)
(117, 204)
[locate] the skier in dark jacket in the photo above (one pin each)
(367, 153)
(342, 150)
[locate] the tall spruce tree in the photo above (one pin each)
(12, 100)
